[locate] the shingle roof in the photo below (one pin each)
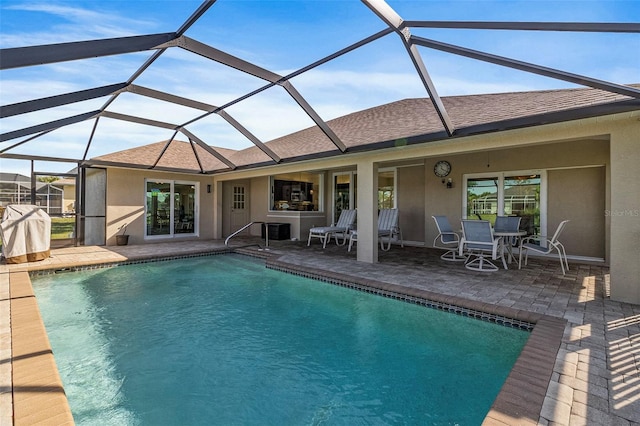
(413, 120)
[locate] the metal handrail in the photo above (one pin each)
(266, 233)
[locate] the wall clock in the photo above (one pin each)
(442, 168)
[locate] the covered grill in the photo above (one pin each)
(26, 233)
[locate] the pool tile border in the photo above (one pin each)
(106, 265)
(522, 395)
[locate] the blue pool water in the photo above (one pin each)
(223, 340)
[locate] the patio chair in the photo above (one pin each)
(508, 224)
(341, 228)
(478, 243)
(388, 229)
(545, 246)
(447, 239)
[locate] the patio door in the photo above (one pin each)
(171, 208)
(344, 193)
(508, 194)
(239, 207)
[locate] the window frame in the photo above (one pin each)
(501, 175)
(318, 198)
(196, 209)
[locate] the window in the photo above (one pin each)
(345, 191)
(238, 197)
(296, 192)
(507, 194)
(171, 207)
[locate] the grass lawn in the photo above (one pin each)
(62, 227)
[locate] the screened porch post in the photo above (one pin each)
(367, 211)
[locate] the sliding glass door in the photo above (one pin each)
(171, 207)
(507, 194)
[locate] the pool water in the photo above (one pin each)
(223, 340)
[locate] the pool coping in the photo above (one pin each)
(519, 401)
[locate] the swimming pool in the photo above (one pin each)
(223, 339)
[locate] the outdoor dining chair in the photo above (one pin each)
(480, 245)
(447, 239)
(545, 246)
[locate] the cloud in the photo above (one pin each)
(72, 24)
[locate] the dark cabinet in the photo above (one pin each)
(277, 231)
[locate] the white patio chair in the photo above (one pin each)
(388, 228)
(478, 243)
(447, 239)
(508, 224)
(546, 246)
(345, 223)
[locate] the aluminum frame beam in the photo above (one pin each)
(144, 91)
(164, 149)
(51, 125)
(599, 27)
(51, 53)
(528, 67)
(393, 20)
(138, 120)
(165, 125)
(58, 100)
(257, 142)
(168, 97)
(210, 150)
(224, 58)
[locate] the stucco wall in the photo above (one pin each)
(126, 204)
(411, 201)
(579, 196)
(568, 192)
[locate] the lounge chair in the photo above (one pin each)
(545, 246)
(478, 243)
(345, 223)
(388, 228)
(447, 239)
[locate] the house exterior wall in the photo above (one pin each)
(579, 195)
(68, 198)
(126, 204)
(570, 195)
(591, 165)
(411, 202)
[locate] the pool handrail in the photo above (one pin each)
(266, 234)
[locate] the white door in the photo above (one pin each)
(239, 207)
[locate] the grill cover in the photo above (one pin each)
(26, 233)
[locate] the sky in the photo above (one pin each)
(282, 37)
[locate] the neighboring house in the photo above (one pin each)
(16, 189)
(68, 186)
(576, 148)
